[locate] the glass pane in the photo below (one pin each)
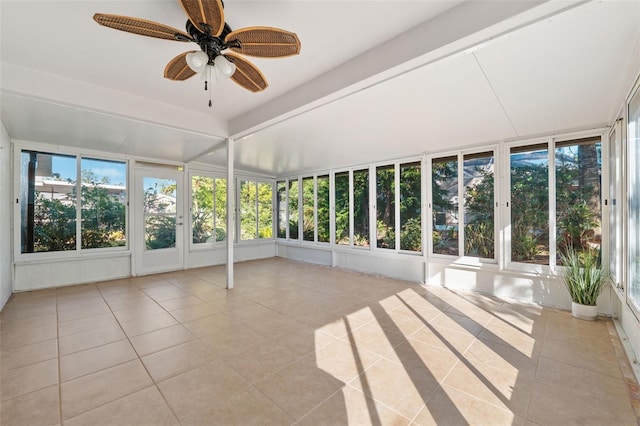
(265, 212)
(614, 222)
(248, 213)
(578, 189)
(293, 209)
(48, 202)
(342, 208)
(530, 205)
(281, 200)
(386, 207)
(361, 208)
(633, 135)
(410, 203)
(221, 209)
(159, 213)
(479, 205)
(104, 197)
(202, 215)
(444, 178)
(308, 210)
(323, 209)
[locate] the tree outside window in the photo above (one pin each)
(444, 184)
(385, 207)
(410, 207)
(50, 202)
(324, 232)
(342, 208)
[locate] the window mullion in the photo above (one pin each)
(351, 189)
(78, 203)
(396, 196)
(552, 206)
(315, 208)
(461, 194)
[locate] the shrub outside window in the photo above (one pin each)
(324, 227)
(341, 181)
(444, 178)
(50, 205)
(208, 209)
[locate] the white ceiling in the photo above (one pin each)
(437, 76)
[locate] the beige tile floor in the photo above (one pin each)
(300, 344)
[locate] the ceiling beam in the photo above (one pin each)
(460, 28)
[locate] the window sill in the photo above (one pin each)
(38, 258)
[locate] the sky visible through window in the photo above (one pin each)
(116, 172)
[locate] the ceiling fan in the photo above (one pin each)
(207, 28)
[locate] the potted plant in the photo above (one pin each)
(585, 278)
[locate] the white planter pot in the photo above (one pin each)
(584, 312)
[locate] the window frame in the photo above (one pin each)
(551, 268)
(461, 258)
(627, 168)
(206, 245)
(79, 155)
(238, 228)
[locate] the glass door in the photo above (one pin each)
(633, 142)
(159, 221)
(615, 200)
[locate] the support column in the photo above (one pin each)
(231, 213)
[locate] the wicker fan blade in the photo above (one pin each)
(206, 15)
(177, 68)
(247, 75)
(141, 27)
(265, 42)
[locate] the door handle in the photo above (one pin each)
(179, 223)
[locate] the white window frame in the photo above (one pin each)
(207, 245)
(78, 252)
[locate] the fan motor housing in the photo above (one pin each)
(211, 45)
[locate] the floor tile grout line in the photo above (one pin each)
(544, 338)
(143, 365)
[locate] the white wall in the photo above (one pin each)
(5, 216)
(241, 252)
(59, 272)
(548, 290)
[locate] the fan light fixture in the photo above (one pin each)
(224, 66)
(197, 61)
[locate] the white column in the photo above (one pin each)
(230, 213)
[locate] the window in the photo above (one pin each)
(385, 207)
(341, 181)
(308, 209)
(361, 208)
(265, 210)
(281, 201)
(615, 239)
(323, 209)
(51, 207)
(633, 138)
(576, 210)
(410, 207)
(444, 184)
(255, 210)
(103, 203)
(578, 195)
(530, 204)
(479, 204)
(159, 213)
(293, 210)
(208, 209)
